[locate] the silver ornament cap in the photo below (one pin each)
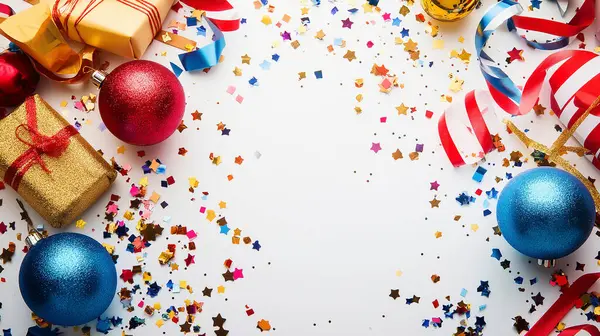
(98, 77)
(34, 236)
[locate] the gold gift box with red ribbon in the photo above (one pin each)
(50, 164)
(123, 27)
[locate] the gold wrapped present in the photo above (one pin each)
(123, 27)
(50, 164)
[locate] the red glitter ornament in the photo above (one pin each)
(141, 102)
(18, 78)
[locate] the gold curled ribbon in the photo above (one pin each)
(52, 56)
(88, 60)
(558, 148)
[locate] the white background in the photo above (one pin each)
(332, 242)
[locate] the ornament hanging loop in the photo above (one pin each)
(34, 236)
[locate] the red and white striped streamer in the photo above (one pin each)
(220, 12)
(5, 11)
(574, 77)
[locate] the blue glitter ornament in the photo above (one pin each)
(67, 279)
(545, 213)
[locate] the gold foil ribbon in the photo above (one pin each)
(36, 34)
(558, 148)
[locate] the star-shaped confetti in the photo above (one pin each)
(515, 55)
(347, 23)
(375, 147)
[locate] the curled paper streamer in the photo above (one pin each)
(220, 12)
(569, 298)
(5, 11)
(464, 129)
(207, 56)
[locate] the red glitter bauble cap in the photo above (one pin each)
(141, 102)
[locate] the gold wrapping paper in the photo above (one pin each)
(114, 26)
(77, 178)
(35, 33)
(111, 25)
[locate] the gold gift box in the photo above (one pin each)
(115, 26)
(123, 27)
(76, 179)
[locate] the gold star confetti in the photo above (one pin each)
(196, 115)
(246, 59)
(538, 109)
(397, 154)
(301, 75)
(320, 34)
(350, 55)
(402, 109)
(80, 223)
(237, 71)
(464, 56)
(222, 205)
(193, 182)
(410, 45)
(435, 203)
(438, 234)
(456, 84)
(304, 10)
(121, 150)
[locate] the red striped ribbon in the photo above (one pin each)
(215, 10)
(465, 126)
(569, 298)
(53, 146)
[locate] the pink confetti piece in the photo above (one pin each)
(202, 209)
(239, 99)
(231, 89)
(383, 120)
(79, 105)
(191, 235)
(134, 190)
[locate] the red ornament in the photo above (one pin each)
(18, 78)
(141, 102)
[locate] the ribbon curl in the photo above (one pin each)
(464, 129)
(569, 298)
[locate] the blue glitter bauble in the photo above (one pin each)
(546, 213)
(68, 279)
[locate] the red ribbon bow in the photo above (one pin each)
(53, 146)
